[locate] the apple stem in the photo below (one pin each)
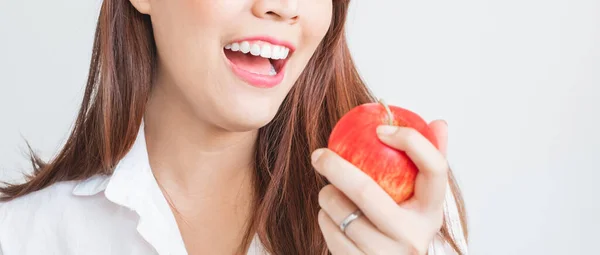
(389, 112)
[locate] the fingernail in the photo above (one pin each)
(445, 122)
(316, 154)
(386, 130)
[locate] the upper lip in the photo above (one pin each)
(269, 39)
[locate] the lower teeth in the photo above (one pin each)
(272, 72)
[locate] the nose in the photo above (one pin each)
(277, 10)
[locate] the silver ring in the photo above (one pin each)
(353, 216)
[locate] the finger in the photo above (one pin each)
(430, 184)
(361, 189)
(440, 129)
(336, 241)
(361, 231)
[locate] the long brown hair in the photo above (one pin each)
(120, 79)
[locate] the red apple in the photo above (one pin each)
(355, 139)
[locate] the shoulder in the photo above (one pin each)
(50, 210)
(43, 201)
(43, 207)
(59, 198)
(38, 210)
(46, 222)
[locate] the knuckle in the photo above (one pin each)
(321, 217)
(442, 166)
(326, 195)
(432, 222)
(322, 195)
(437, 222)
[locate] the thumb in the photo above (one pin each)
(440, 130)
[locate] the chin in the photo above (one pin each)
(244, 108)
(245, 119)
(245, 124)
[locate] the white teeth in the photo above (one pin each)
(275, 53)
(235, 47)
(255, 50)
(272, 72)
(286, 52)
(263, 50)
(245, 47)
(281, 52)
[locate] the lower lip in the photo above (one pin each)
(258, 80)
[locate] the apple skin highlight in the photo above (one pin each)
(355, 139)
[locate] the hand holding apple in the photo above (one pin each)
(393, 175)
(354, 138)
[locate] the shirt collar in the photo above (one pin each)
(132, 185)
(134, 164)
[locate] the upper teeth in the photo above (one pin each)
(265, 51)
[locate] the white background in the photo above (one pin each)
(517, 81)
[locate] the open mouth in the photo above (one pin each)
(259, 62)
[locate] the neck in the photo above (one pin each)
(195, 160)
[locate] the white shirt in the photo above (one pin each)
(121, 214)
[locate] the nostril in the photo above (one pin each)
(281, 16)
(271, 13)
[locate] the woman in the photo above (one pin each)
(196, 133)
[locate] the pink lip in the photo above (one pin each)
(259, 80)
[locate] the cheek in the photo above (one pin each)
(187, 35)
(318, 19)
(184, 28)
(209, 14)
(315, 23)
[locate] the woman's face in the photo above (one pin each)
(232, 62)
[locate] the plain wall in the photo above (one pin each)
(517, 81)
